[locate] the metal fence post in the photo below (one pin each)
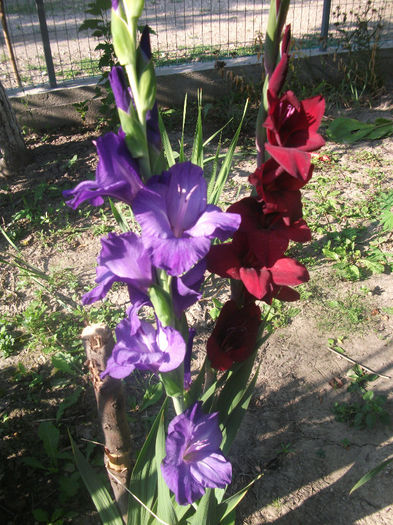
(45, 42)
(325, 24)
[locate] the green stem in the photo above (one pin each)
(178, 404)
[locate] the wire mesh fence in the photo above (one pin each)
(186, 30)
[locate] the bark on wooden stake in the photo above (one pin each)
(98, 342)
(15, 153)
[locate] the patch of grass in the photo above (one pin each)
(278, 314)
(345, 314)
(368, 408)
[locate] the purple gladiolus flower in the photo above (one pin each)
(116, 174)
(120, 88)
(122, 258)
(140, 345)
(193, 459)
(115, 4)
(177, 223)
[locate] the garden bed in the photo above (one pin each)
(310, 460)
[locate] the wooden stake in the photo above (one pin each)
(7, 39)
(98, 342)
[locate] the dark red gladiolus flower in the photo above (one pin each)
(234, 336)
(279, 189)
(294, 124)
(238, 261)
(267, 234)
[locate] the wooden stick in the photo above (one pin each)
(357, 363)
(7, 39)
(98, 342)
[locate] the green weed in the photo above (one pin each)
(367, 411)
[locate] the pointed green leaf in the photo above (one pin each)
(236, 415)
(181, 152)
(119, 217)
(169, 153)
(143, 481)
(99, 494)
(226, 166)
(213, 176)
(195, 390)
(164, 505)
(350, 130)
(371, 474)
(228, 505)
(234, 388)
(206, 513)
(197, 147)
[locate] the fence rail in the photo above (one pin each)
(48, 47)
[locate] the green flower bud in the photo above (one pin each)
(162, 305)
(147, 87)
(134, 8)
(124, 42)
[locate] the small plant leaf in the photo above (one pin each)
(371, 474)
(49, 436)
(68, 402)
(350, 130)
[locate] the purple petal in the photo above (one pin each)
(171, 343)
(213, 471)
(122, 259)
(125, 256)
(100, 291)
(120, 88)
(181, 483)
(215, 223)
(116, 174)
(186, 196)
(176, 256)
(142, 346)
(116, 370)
(144, 43)
(153, 131)
(193, 459)
(186, 289)
(150, 211)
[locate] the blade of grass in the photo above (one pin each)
(222, 177)
(197, 147)
(181, 153)
(169, 154)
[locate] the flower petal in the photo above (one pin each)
(215, 223)
(213, 471)
(176, 256)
